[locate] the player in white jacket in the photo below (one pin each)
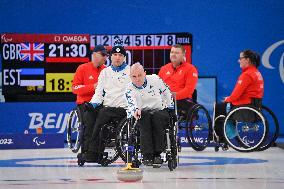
(109, 99)
(149, 100)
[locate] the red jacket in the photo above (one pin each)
(249, 85)
(83, 82)
(182, 79)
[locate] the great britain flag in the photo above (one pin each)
(32, 51)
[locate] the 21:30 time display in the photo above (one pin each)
(70, 50)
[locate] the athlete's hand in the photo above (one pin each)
(95, 85)
(137, 114)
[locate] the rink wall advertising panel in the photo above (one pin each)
(34, 125)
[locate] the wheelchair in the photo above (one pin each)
(199, 127)
(257, 128)
(196, 123)
(128, 139)
(247, 128)
(107, 134)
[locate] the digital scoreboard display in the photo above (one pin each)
(40, 67)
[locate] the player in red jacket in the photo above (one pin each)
(249, 86)
(86, 77)
(84, 84)
(180, 76)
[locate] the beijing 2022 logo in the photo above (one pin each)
(266, 55)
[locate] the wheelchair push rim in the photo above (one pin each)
(74, 128)
(199, 130)
(123, 139)
(273, 124)
(239, 142)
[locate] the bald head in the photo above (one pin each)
(136, 67)
(137, 74)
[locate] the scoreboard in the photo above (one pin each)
(151, 50)
(40, 67)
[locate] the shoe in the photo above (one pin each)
(148, 159)
(225, 147)
(157, 162)
(79, 155)
(148, 162)
(90, 157)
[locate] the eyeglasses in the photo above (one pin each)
(99, 53)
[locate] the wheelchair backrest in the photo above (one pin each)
(194, 96)
(256, 103)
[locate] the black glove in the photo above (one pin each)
(172, 114)
(88, 107)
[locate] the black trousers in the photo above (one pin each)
(105, 115)
(88, 118)
(184, 107)
(152, 127)
(220, 109)
(239, 115)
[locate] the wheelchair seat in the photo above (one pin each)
(246, 115)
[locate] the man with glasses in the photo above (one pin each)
(84, 84)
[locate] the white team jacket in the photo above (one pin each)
(153, 95)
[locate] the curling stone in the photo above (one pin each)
(129, 174)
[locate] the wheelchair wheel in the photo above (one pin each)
(122, 141)
(273, 132)
(199, 128)
(172, 153)
(105, 162)
(108, 135)
(74, 131)
(245, 136)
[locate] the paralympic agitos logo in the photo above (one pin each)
(266, 56)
